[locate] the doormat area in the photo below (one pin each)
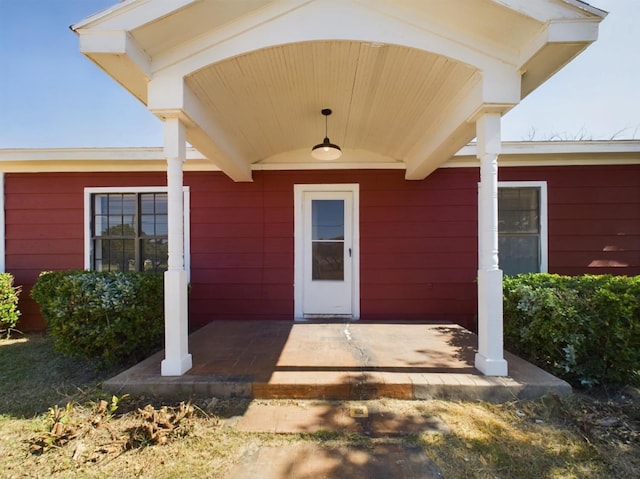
(310, 460)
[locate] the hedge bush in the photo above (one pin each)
(110, 317)
(9, 313)
(584, 329)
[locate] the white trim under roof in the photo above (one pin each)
(514, 153)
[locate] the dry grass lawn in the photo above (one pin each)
(56, 422)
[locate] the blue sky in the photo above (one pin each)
(52, 96)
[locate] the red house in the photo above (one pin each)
(392, 218)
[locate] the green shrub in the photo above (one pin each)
(113, 318)
(9, 313)
(584, 329)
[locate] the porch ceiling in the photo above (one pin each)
(405, 78)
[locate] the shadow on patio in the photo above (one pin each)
(336, 360)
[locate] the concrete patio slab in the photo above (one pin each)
(354, 361)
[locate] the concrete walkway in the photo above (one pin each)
(314, 461)
(384, 453)
(344, 361)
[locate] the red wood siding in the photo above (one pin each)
(594, 217)
(45, 225)
(418, 238)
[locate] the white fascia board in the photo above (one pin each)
(577, 32)
(555, 153)
(118, 55)
(546, 10)
(560, 147)
(514, 153)
(115, 42)
(584, 6)
(131, 14)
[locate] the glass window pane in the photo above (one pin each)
(114, 204)
(147, 225)
(328, 261)
(147, 203)
(161, 226)
(327, 219)
(121, 255)
(129, 204)
(522, 221)
(154, 254)
(100, 225)
(97, 255)
(100, 204)
(518, 210)
(161, 203)
(519, 254)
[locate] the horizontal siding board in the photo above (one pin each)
(417, 275)
(604, 195)
(73, 217)
(572, 176)
(438, 306)
(421, 245)
(44, 245)
(242, 260)
(242, 291)
(44, 261)
(457, 291)
(418, 260)
(52, 201)
(595, 243)
(394, 229)
(415, 214)
(597, 260)
(622, 211)
(595, 226)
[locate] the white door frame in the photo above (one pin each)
(299, 191)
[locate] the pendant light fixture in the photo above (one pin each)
(326, 150)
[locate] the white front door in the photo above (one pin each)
(326, 251)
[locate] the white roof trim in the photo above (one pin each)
(526, 153)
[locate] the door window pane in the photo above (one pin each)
(328, 219)
(328, 261)
(327, 236)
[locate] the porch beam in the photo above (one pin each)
(176, 321)
(490, 356)
(170, 96)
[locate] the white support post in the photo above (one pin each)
(176, 323)
(490, 356)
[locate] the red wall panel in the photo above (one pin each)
(45, 225)
(418, 238)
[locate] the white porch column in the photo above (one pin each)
(489, 358)
(176, 328)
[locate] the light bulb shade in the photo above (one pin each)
(326, 151)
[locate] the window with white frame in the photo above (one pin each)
(522, 227)
(126, 229)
